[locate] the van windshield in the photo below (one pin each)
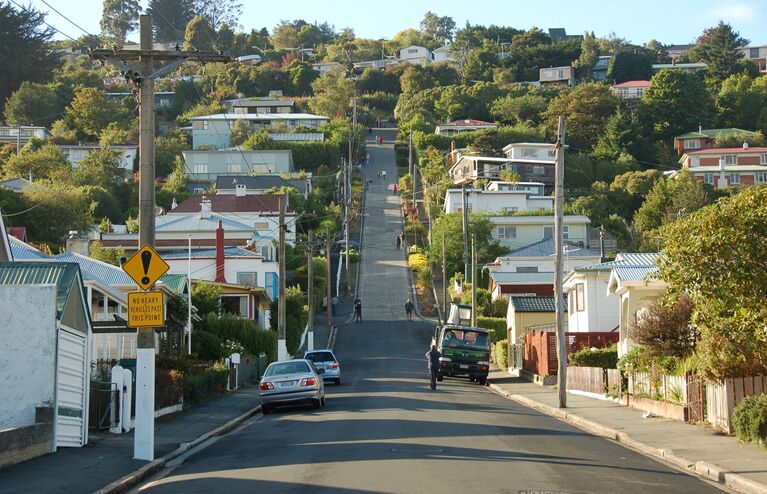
(460, 338)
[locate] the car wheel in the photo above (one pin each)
(265, 409)
(482, 381)
(323, 402)
(316, 403)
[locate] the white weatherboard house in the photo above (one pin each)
(215, 131)
(75, 153)
(418, 55)
(46, 332)
(591, 309)
(207, 165)
(634, 280)
(500, 197)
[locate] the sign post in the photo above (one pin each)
(145, 312)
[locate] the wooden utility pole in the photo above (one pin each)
(282, 347)
(143, 80)
(465, 219)
(328, 248)
(444, 280)
(348, 185)
(558, 266)
(473, 281)
(310, 290)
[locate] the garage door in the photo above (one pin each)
(71, 389)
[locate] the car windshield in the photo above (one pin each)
(320, 357)
(284, 368)
(459, 338)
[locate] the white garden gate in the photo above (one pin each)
(71, 387)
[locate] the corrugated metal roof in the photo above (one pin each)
(176, 282)
(23, 251)
(210, 253)
(546, 248)
(192, 222)
(533, 304)
(506, 278)
(623, 260)
(634, 273)
(61, 274)
(93, 269)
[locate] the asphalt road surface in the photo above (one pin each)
(384, 431)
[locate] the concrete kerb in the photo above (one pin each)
(703, 469)
(124, 483)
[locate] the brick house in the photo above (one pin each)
(725, 167)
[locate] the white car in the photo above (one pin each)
(326, 359)
(291, 382)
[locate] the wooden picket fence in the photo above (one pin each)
(723, 396)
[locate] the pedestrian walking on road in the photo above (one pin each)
(383, 174)
(433, 357)
(380, 140)
(333, 305)
(409, 309)
(395, 189)
(399, 242)
(358, 309)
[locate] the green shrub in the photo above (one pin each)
(206, 384)
(606, 358)
(750, 419)
(500, 354)
(496, 325)
(354, 255)
(632, 361)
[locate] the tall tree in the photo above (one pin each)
(630, 66)
(677, 102)
(199, 35)
(218, 12)
(586, 109)
(332, 95)
(589, 54)
(439, 29)
(27, 55)
(32, 104)
(118, 18)
(740, 102)
(170, 18)
(92, 110)
(720, 47)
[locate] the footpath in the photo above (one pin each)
(106, 463)
(715, 456)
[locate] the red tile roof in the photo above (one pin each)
(467, 122)
(633, 84)
(226, 203)
(730, 150)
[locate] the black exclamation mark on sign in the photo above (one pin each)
(146, 260)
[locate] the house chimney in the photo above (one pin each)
(721, 183)
(205, 208)
(745, 145)
(240, 190)
(220, 253)
(174, 204)
(700, 129)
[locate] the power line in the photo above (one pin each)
(25, 9)
(66, 18)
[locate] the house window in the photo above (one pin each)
(760, 177)
(199, 190)
(763, 159)
(205, 125)
(753, 53)
(237, 305)
(639, 92)
(266, 251)
(529, 153)
(527, 269)
(735, 179)
(571, 302)
(200, 169)
(580, 302)
(548, 232)
(565, 231)
(234, 168)
(539, 170)
(506, 232)
(552, 153)
(250, 279)
(692, 143)
(708, 178)
(412, 51)
(561, 74)
(511, 210)
(730, 159)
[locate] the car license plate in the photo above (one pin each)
(287, 384)
(464, 366)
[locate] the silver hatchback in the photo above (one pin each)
(291, 382)
(326, 359)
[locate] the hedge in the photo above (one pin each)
(500, 354)
(206, 384)
(606, 358)
(497, 325)
(750, 419)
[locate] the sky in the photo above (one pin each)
(668, 21)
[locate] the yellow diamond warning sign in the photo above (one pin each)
(145, 267)
(145, 310)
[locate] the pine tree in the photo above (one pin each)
(170, 18)
(118, 18)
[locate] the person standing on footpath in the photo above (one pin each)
(358, 309)
(433, 357)
(399, 242)
(409, 309)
